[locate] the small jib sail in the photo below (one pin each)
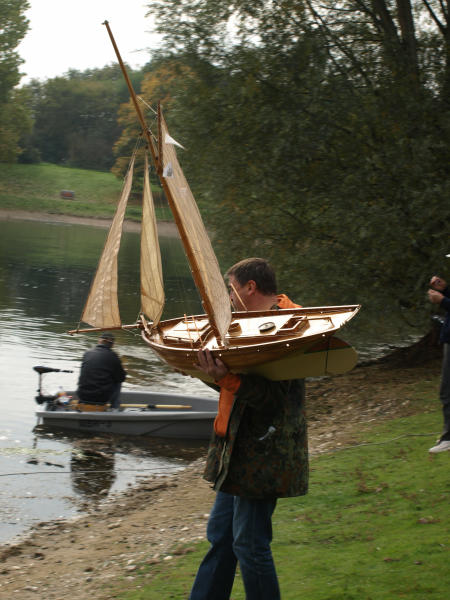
(102, 308)
(152, 288)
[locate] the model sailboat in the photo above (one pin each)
(279, 344)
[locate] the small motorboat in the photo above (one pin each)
(141, 413)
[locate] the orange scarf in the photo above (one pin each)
(229, 385)
(284, 302)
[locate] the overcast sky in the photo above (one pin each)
(68, 34)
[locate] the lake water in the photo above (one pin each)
(45, 274)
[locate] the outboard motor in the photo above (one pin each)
(40, 398)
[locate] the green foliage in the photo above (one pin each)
(76, 116)
(317, 140)
(14, 118)
(374, 526)
(14, 26)
(15, 123)
(159, 83)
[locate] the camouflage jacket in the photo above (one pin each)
(264, 454)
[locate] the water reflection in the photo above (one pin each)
(101, 464)
(92, 472)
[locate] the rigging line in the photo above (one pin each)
(141, 99)
(240, 299)
(132, 333)
(188, 331)
(328, 351)
(137, 145)
(405, 435)
(153, 111)
(88, 471)
(198, 332)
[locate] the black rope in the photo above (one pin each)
(87, 472)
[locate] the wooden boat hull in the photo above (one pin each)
(287, 350)
(192, 423)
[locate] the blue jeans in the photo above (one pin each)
(238, 529)
(444, 392)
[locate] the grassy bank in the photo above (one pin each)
(37, 188)
(375, 526)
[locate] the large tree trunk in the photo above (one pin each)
(426, 349)
(400, 45)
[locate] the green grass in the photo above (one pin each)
(374, 526)
(36, 188)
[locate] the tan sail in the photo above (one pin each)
(102, 307)
(152, 290)
(205, 268)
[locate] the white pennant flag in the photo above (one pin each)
(169, 140)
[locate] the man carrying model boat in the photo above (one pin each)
(258, 453)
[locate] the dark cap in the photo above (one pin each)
(107, 336)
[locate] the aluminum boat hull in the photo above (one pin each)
(191, 423)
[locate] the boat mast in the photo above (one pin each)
(157, 159)
(134, 99)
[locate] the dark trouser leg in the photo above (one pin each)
(444, 393)
(114, 399)
(215, 576)
(252, 532)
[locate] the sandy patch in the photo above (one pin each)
(165, 228)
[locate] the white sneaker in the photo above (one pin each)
(440, 447)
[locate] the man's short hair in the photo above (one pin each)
(258, 270)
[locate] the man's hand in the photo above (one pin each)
(435, 297)
(438, 284)
(210, 365)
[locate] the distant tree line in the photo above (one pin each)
(68, 120)
(317, 134)
(75, 117)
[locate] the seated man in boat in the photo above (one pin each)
(101, 376)
(258, 453)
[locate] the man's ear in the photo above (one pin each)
(251, 286)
